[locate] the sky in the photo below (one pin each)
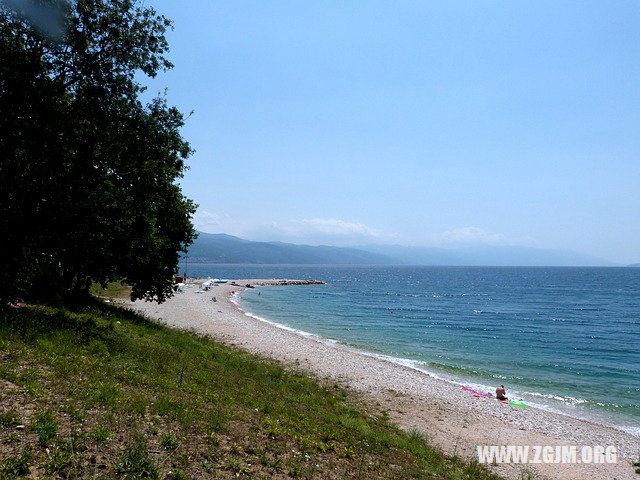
(412, 122)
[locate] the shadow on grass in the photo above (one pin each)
(83, 322)
(107, 310)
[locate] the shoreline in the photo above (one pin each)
(457, 381)
(453, 420)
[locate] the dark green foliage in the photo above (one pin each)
(87, 174)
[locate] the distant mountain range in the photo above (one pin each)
(490, 255)
(221, 248)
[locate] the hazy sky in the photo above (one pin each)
(413, 122)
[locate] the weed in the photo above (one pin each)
(236, 466)
(169, 442)
(97, 347)
(347, 452)
(178, 474)
(101, 434)
(528, 474)
(136, 404)
(9, 419)
(296, 469)
(74, 412)
(212, 438)
(12, 467)
(106, 393)
(46, 426)
(12, 438)
(275, 464)
(136, 463)
(58, 459)
(217, 422)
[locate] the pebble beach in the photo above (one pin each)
(452, 419)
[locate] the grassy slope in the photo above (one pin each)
(101, 392)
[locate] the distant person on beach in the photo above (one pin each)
(500, 393)
(214, 299)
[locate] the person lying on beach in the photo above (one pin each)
(501, 394)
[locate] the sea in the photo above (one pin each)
(562, 339)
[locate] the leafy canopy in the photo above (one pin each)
(88, 172)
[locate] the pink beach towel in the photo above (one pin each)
(476, 392)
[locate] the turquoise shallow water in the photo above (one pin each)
(566, 339)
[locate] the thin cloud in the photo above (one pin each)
(475, 236)
(468, 235)
(316, 231)
(204, 220)
(340, 228)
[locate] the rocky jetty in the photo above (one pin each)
(285, 281)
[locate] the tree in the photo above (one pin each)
(88, 172)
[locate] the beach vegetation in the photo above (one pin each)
(528, 474)
(9, 418)
(88, 178)
(156, 402)
(178, 474)
(13, 467)
(59, 459)
(169, 442)
(136, 463)
(101, 434)
(46, 426)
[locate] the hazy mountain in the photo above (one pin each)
(634, 265)
(488, 255)
(221, 248)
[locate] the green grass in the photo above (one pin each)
(46, 426)
(13, 467)
(9, 419)
(137, 463)
(107, 393)
(169, 442)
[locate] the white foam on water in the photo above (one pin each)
(419, 366)
(234, 299)
(632, 429)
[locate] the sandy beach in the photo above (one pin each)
(452, 419)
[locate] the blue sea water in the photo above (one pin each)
(565, 339)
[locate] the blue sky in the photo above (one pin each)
(412, 122)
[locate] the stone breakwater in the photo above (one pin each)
(284, 281)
